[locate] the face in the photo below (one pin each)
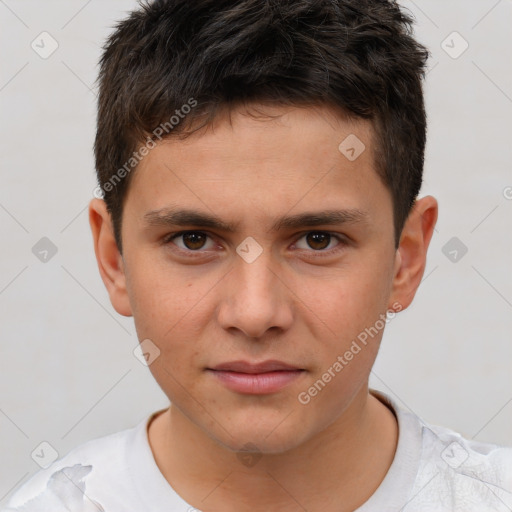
(275, 279)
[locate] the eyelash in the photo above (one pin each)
(320, 253)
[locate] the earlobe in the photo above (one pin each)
(108, 257)
(411, 254)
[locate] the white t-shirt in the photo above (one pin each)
(434, 470)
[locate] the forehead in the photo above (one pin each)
(264, 160)
(286, 132)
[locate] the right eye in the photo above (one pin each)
(191, 241)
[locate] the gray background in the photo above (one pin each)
(68, 373)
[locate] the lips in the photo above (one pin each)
(263, 367)
(256, 378)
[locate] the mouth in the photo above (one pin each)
(256, 378)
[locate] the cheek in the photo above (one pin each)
(351, 310)
(349, 301)
(347, 351)
(172, 310)
(163, 295)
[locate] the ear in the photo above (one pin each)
(411, 255)
(110, 260)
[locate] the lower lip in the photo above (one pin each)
(256, 383)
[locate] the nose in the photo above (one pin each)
(255, 298)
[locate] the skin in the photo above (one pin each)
(290, 304)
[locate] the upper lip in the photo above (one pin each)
(247, 367)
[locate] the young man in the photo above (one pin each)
(260, 164)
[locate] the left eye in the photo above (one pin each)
(319, 241)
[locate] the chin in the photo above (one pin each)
(266, 438)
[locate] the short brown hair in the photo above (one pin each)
(358, 55)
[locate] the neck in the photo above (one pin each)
(346, 462)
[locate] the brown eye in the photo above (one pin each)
(318, 240)
(321, 243)
(194, 241)
(191, 241)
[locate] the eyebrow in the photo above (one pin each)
(186, 217)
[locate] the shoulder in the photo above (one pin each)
(464, 473)
(63, 485)
(437, 468)
(487, 462)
